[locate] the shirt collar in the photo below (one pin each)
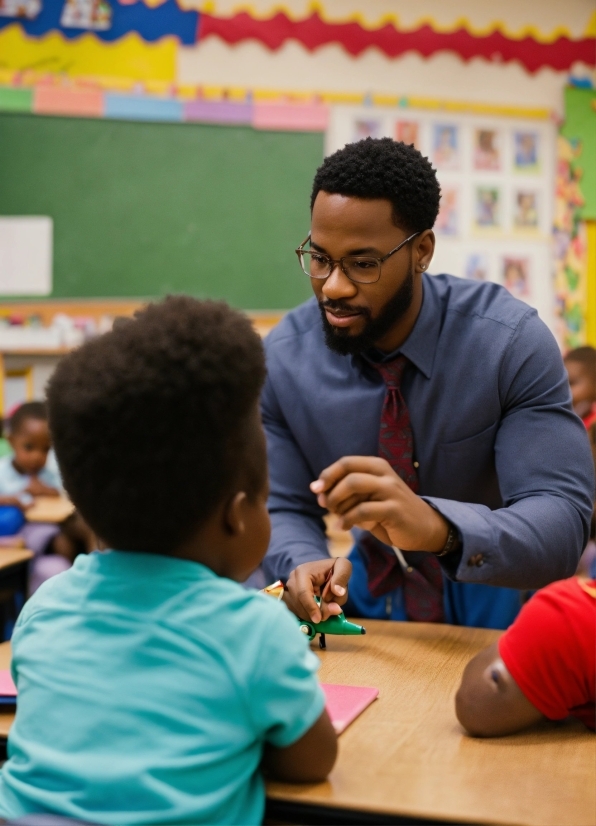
(421, 345)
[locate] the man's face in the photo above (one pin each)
(358, 316)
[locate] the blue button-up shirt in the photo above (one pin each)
(501, 454)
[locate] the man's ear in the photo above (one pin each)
(425, 249)
(233, 515)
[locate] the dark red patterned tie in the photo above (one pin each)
(423, 581)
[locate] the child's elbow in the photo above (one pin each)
(470, 714)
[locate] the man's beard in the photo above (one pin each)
(339, 339)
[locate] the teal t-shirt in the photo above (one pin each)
(147, 688)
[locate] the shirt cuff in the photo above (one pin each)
(474, 561)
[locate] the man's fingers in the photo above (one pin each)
(366, 512)
(342, 572)
(357, 487)
(348, 464)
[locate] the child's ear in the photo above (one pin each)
(10, 440)
(234, 514)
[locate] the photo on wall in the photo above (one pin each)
(367, 128)
(525, 210)
(487, 149)
(408, 132)
(477, 266)
(23, 9)
(447, 222)
(526, 152)
(445, 146)
(487, 212)
(516, 276)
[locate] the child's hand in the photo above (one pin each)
(15, 502)
(37, 488)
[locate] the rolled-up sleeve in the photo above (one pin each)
(545, 473)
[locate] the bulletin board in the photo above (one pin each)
(497, 184)
(144, 209)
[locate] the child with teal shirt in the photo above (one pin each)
(153, 688)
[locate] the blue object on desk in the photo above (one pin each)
(11, 520)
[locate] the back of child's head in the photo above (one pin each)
(28, 410)
(153, 422)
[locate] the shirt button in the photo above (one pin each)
(477, 560)
(416, 464)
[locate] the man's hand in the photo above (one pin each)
(365, 492)
(310, 579)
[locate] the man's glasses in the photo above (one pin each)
(362, 269)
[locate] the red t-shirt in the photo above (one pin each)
(590, 418)
(550, 650)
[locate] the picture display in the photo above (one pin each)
(497, 191)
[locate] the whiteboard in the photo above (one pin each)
(26, 255)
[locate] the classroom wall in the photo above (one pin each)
(286, 65)
(442, 75)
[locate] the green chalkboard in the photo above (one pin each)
(145, 209)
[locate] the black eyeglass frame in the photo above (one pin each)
(334, 261)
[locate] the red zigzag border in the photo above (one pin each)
(313, 32)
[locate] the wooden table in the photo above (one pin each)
(53, 509)
(407, 760)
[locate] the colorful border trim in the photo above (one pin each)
(391, 19)
(313, 32)
(261, 109)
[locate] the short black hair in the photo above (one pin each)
(28, 410)
(152, 421)
(586, 356)
(383, 168)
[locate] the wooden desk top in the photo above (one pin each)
(407, 755)
(49, 509)
(13, 556)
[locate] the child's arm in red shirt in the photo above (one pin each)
(544, 665)
(489, 702)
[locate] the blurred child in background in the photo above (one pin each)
(581, 369)
(26, 473)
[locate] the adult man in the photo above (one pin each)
(486, 471)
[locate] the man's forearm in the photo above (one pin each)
(527, 545)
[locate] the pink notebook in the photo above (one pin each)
(7, 686)
(346, 702)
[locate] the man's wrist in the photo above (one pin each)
(452, 543)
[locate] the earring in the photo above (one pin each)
(422, 266)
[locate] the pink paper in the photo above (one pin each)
(7, 686)
(346, 702)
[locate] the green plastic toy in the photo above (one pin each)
(334, 625)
